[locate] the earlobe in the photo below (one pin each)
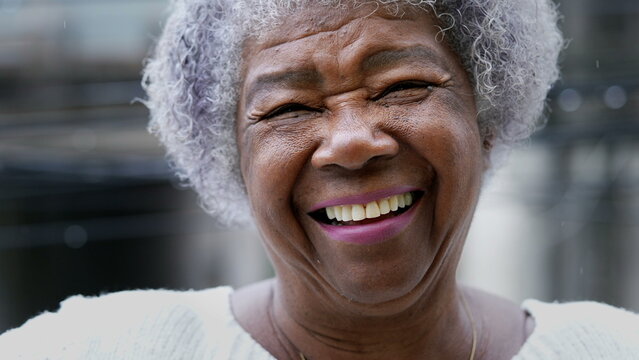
(487, 147)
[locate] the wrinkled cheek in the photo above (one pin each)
(269, 167)
(271, 180)
(455, 154)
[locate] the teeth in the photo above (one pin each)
(384, 207)
(330, 212)
(347, 213)
(393, 203)
(358, 213)
(408, 199)
(373, 209)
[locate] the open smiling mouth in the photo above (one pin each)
(361, 214)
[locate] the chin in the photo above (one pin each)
(377, 281)
(365, 290)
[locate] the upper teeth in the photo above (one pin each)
(373, 209)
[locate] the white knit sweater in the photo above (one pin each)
(162, 324)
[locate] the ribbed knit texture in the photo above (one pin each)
(136, 325)
(193, 325)
(580, 331)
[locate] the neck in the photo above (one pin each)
(436, 325)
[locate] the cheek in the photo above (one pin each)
(448, 133)
(455, 147)
(272, 159)
(448, 137)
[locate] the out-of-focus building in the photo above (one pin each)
(562, 220)
(88, 204)
(87, 201)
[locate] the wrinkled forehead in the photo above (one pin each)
(311, 18)
(300, 22)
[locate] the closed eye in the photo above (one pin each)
(404, 86)
(288, 109)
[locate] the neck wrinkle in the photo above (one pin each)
(286, 345)
(431, 328)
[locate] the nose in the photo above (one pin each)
(352, 142)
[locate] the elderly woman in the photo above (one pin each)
(358, 134)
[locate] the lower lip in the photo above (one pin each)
(372, 233)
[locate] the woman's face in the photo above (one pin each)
(340, 114)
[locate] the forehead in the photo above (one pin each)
(312, 18)
(315, 33)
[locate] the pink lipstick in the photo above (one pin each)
(371, 233)
(367, 218)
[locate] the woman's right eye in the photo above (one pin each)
(291, 110)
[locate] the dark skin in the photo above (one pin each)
(338, 103)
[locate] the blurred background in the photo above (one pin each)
(88, 204)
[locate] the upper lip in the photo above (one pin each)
(364, 198)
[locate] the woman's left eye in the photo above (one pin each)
(410, 88)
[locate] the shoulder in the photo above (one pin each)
(580, 330)
(137, 324)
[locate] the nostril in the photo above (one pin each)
(354, 150)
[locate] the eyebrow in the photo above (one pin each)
(285, 79)
(387, 58)
(312, 77)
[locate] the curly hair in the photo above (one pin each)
(508, 48)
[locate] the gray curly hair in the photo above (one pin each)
(509, 49)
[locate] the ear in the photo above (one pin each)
(487, 147)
